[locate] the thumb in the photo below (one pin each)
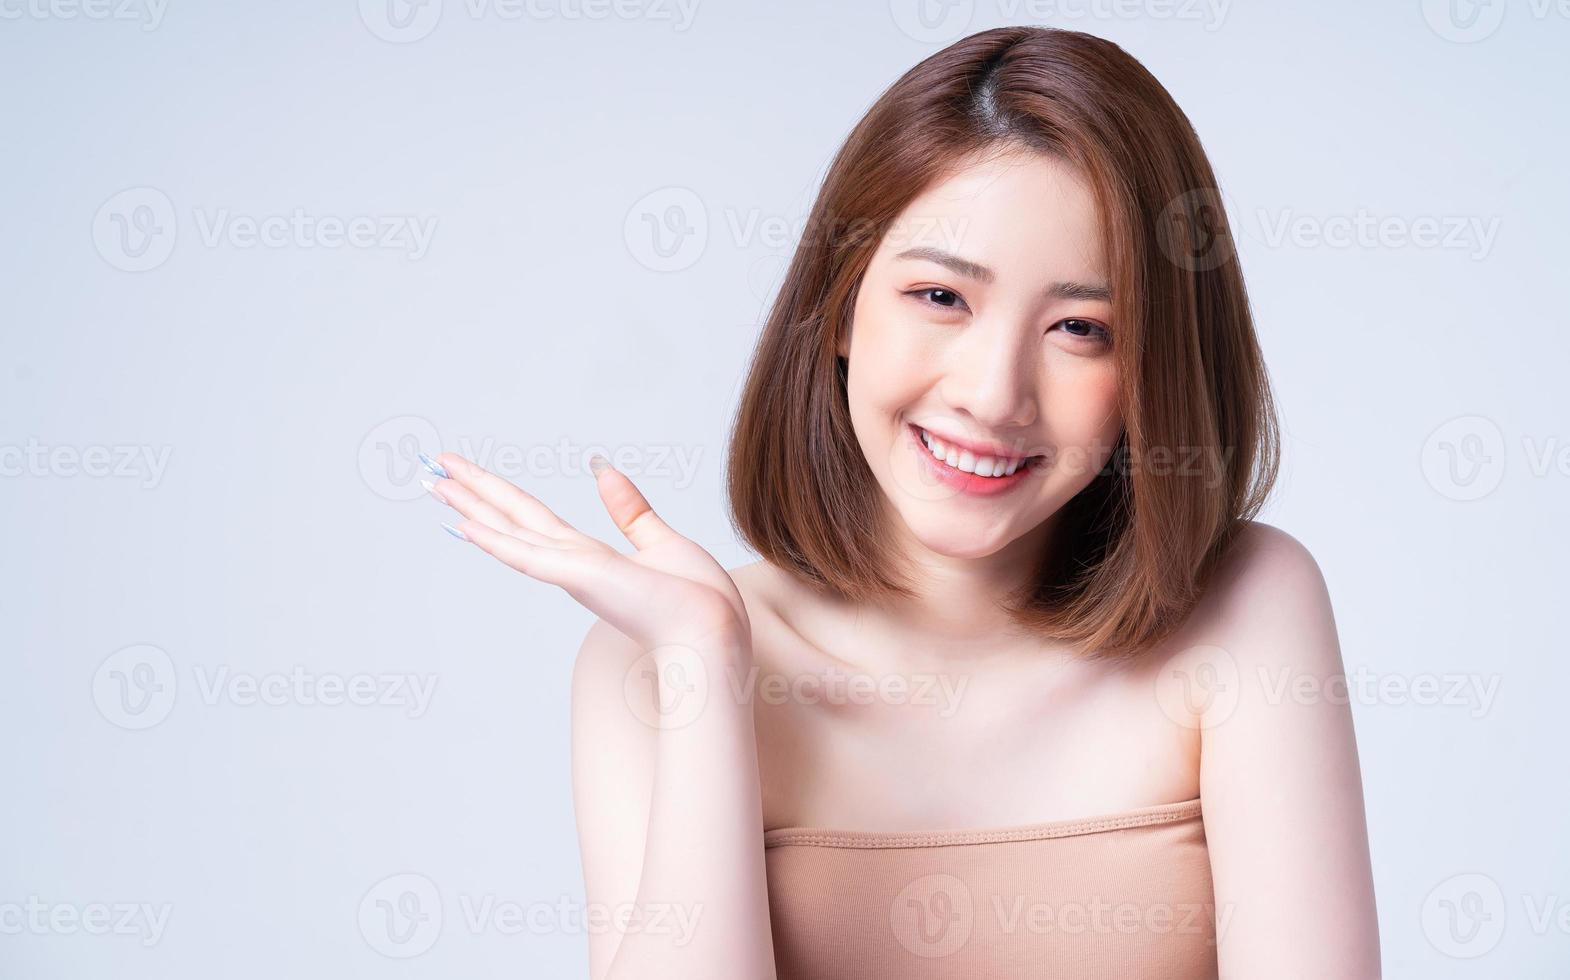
(627, 506)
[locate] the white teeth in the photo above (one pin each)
(967, 462)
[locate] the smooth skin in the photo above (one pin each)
(1013, 345)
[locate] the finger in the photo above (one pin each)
(610, 585)
(575, 570)
(627, 506)
(534, 556)
(466, 502)
(522, 509)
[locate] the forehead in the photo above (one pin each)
(1021, 213)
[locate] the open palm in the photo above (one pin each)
(669, 591)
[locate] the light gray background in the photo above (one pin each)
(243, 412)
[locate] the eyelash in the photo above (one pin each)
(1102, 335)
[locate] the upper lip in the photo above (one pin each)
(979, 447)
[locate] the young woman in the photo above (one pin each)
(1018, 688)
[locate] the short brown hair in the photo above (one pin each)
(1137, 546)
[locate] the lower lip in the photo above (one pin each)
(969, 483)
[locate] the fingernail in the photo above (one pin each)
(598, 464)
(433, 466)
(455, 532)
(430, 488)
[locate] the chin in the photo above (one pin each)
(941, 534)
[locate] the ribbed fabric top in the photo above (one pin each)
(1115, 896)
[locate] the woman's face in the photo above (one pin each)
(982, 332)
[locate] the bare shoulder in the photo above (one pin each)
(1264, 561)
(1265, 609)
(1279, 770)
(753, 574)
(598, 687)
(603, 647)
(1266, 606)
(764, 588)
(1268, 581)
(785, 614)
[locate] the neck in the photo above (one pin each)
(958, 610)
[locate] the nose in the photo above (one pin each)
(992, 375)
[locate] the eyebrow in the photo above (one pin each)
(980, 273)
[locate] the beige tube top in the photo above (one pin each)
(1117, 896)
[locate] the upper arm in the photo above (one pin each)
(1279, 774)
(613, 755)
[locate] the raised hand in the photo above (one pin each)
(669, 591)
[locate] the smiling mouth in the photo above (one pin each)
(965, 461)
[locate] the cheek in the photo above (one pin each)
(888, 360)
(1083, 403)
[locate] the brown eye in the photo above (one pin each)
(940, 297)
(1088, 329)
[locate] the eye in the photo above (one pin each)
(939, 297)
(1085, 329)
